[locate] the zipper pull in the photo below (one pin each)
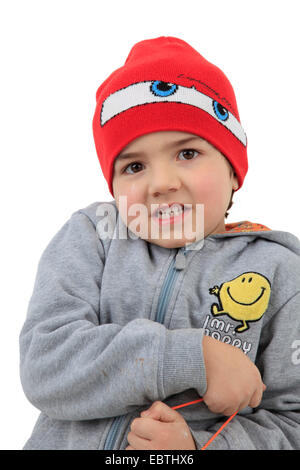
(180, 260)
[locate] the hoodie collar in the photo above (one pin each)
(245, 226)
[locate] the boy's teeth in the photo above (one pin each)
(168, 212)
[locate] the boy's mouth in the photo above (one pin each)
(167, 211)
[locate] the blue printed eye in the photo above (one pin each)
(160, 88)
(220, 111)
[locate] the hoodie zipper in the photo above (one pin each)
(177, 264)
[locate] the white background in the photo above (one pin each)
(54, 55)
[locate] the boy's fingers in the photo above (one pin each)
(256, 398)
(161, 412)
(228, 411)
(137, 442)
(253, 403)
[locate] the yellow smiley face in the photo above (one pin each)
(244, 298)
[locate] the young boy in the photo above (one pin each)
(130, 313)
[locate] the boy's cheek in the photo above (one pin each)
(128, 193)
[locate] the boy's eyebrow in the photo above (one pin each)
(177, 143)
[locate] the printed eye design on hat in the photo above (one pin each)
(157, 91)
(220, 111)
(160, 88)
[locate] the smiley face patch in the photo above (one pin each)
(244, 298)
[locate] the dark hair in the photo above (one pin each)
(230, 205)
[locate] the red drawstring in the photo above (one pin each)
(187, 404)
(217, 432)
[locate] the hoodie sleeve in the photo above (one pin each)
(275, 424)
(72, 367)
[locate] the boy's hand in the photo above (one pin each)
(161, 428)
(233, 381)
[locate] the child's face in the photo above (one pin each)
(164, 171)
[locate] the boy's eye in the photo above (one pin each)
(189, 153)
(132, 165)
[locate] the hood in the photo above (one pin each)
(254, 230)
(250, 231)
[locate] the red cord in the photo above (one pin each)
(186, 404)
(217, 432)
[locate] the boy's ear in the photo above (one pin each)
(235, 183)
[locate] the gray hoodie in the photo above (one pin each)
(116, 324)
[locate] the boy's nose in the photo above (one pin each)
(164, 181)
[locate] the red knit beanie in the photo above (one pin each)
(165, 84)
